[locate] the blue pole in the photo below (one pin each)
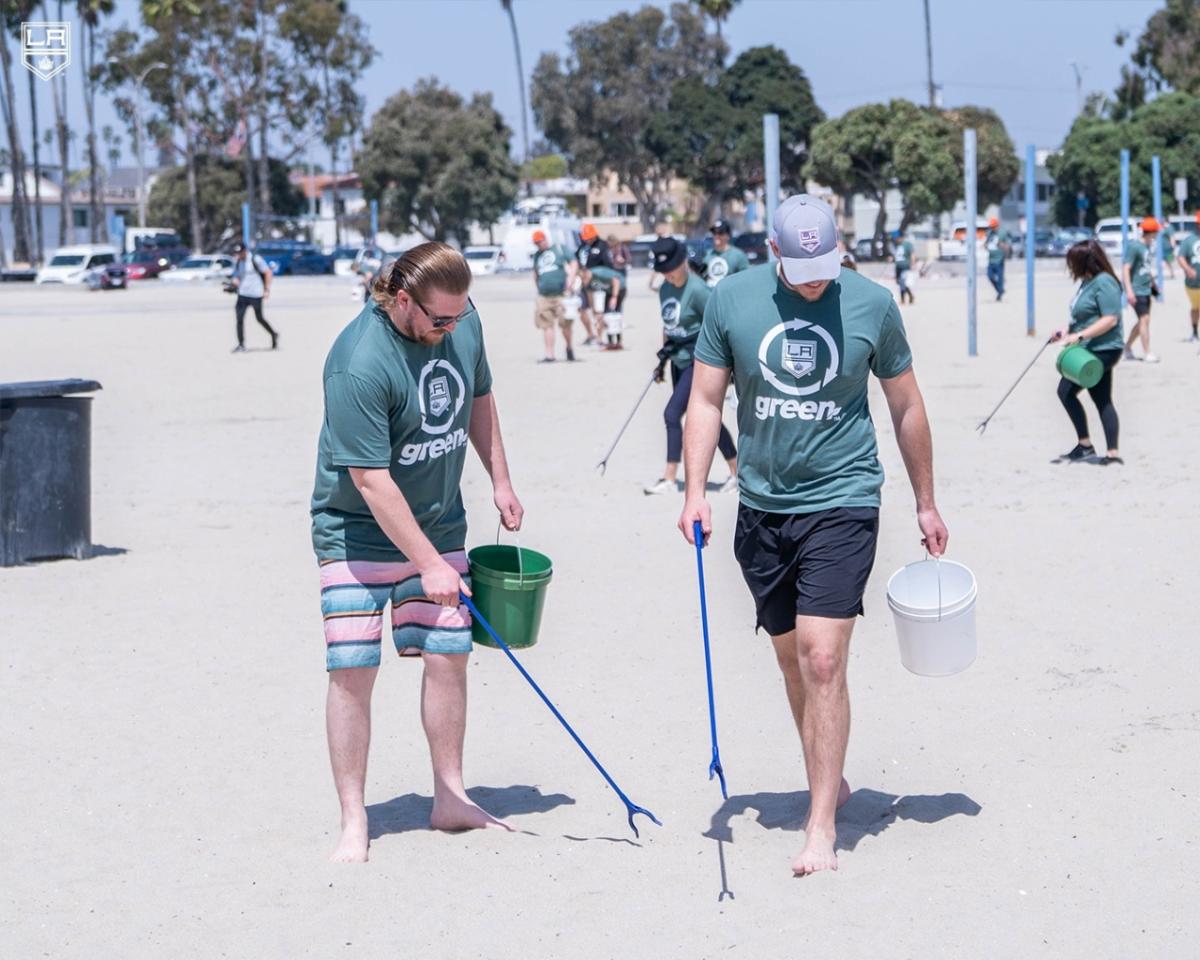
(1156, 175)
(374, 219)
(1030, 229)
(970, 238)
(770, 170)
(1124, 202)
(246, 225)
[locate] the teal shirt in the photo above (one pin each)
(682, 310)
(1138, 258)
(395, 404)
(902, 253)
(603, 277)
(806, 439)
(992, 243)
(1168, 244)
(1189, 250)
(550, 268)
(720, 265)
(1099, 297)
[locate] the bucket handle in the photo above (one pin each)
(520, 556)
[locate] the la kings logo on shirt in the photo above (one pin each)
(441, 394)
(798, 367)
(670, 317)
(546, 261)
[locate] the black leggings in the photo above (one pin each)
(255, 304)
(1101, 394)
(681, 379)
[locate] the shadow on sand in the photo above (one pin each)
(866, 813)
(411, 811)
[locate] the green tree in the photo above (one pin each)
(996, 161)
(1089, 160)
(548, 166)
(1168, 51)
(220, 183)
(711, 133)
(598, 105)
(332, 48)
(437, 164)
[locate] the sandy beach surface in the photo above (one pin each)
(166, 788)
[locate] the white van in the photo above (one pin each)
(72, 264)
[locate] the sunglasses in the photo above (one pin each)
(439, 323)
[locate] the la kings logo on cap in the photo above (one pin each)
(810, 239)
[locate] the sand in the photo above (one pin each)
(166, 790)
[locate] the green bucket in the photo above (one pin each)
(508, 586)
(1079, 365)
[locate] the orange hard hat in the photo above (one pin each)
(588, 231)
(1149, 225)
(538, 236)
(993, 222)
(1198, 216)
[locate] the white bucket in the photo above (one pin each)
(933, 603)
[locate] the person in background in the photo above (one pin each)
(724, 258)
(1189, 266)
(592, 252)
(1096, 323)
(1169, 246)
(252, 277)
(902, 256)
(998, 248)
(1139, 288)
(608, 281)
(553, 273)
(681, 300)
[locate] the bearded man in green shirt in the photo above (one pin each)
(407, 389)
(799, 339)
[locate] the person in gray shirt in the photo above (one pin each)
(252, 279)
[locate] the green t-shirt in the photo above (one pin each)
(902, 252)
(1099, 297)
(1138, 258)
(993, 244)
(603, 277)
(550, 267)
(1189, 250)
(396, 404)
(682, 311)
(1168, 244)
(720, 265)
(800, 369)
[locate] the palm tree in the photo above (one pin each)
(62, 133)
(39, 230)
(90, 12)
(717, 10)
(512, 22)
(22, 247)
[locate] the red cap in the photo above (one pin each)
(993, 223)
(538, 236)
(1149, 225)
(588, 231)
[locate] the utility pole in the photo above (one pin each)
(929, 60)
(1078, 87)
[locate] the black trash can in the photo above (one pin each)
(45, 470)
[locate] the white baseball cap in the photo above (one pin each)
(806, 233)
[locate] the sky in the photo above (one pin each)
(1012, 56)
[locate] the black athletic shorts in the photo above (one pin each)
(812, 564)
(1141, 306)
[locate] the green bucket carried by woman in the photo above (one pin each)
(508, 586)
(1079, 365)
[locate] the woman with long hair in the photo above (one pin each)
(1095, 323)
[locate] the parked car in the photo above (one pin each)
(753, 245)
(343, 259)
(483, 260)
(1108, 234)
(954, 247)
(284, 257)
(145, 263)
(72, 264)
(868, 248)
(111, 276)
(1066, 238)
(206, 267)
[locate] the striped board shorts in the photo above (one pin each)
(353, 596)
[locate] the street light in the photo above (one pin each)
(139, 135)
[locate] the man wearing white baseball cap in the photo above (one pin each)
(799, 338)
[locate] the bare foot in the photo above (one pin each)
(843, 798)
(352, 847)
(817, 854)
(459, 813)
